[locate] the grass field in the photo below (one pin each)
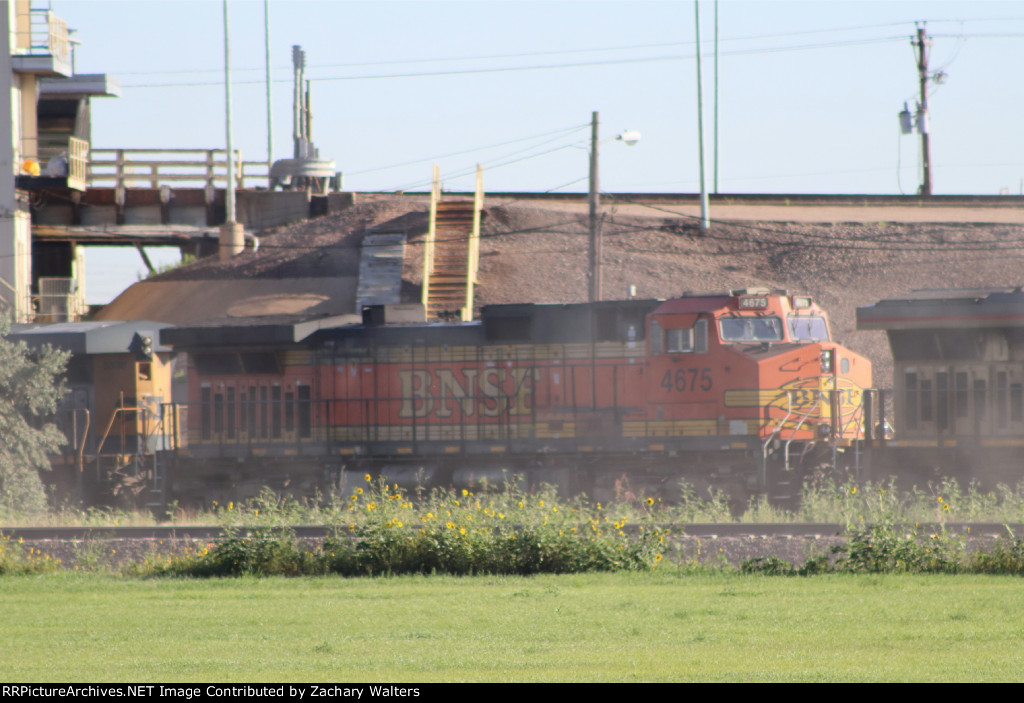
(658, 626)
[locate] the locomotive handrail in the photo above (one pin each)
(764, 447)
(785, 449)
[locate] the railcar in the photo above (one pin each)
(743, 389)
(958, 386)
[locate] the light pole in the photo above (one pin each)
(232, 234)
(630, 137)
(704, 220)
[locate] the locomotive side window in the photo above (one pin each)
(751, 329)
(810, 329)
(1016, 402)
(688, 340)
(678, 341)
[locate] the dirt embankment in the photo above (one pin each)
(533, 253)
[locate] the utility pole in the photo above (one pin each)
(595, 205)
(704, 221)
(232, 234)
(716, 99)
(921, 43)
(270, 111)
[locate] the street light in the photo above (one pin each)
(630, 137)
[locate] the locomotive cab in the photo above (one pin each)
(753, 362)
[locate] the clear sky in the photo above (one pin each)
(809, 92)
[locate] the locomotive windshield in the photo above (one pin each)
(751, 329)
(812, 329)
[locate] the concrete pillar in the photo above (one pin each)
(232, 239)
(15, 228)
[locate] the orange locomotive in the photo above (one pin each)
(743, 389)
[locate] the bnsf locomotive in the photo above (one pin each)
(742, 389)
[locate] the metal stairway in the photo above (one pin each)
(452, 253)
(380, 268)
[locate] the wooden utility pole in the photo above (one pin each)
(921, 43)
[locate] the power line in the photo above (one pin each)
(539, 67)
(467, 151)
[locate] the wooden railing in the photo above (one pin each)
(152, 168)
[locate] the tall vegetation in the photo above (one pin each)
(29, 391)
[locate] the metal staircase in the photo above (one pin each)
(452, 253)
(380, 268)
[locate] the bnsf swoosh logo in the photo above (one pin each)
(803, 396)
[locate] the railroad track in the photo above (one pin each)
(702, 530)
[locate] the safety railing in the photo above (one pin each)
(46, 33)
(153, 168)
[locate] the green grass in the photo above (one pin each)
(659, 626)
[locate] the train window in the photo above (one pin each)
(243, 412)
(961, 394)
(810, 329)
(1016, 402)
(694, 339)
(910, 388)
(751, 329)
(678, 341)
(657, 340)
